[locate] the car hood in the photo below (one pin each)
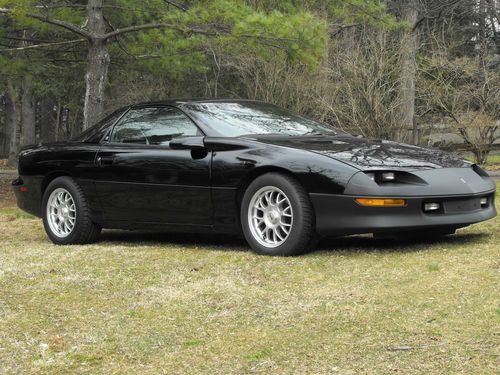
(367, 153)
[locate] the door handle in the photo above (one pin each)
(103, 160)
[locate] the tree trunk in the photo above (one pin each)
(28, 129)
(12, 120)
(4, 135)
(47, 121)
(409, 46)
(98, 63)
(480, 155)
(58, 120)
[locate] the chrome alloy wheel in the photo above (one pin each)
(270, 216)
(61, 212)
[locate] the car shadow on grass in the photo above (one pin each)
(349, 244)
(199, 240)
(367, 243)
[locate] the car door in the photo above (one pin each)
(141, 179)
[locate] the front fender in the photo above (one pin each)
(317, 173)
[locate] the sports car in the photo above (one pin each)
(244, 167)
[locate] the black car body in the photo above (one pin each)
(195, 180)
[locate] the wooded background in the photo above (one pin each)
(403, 70)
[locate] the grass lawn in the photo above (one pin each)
(152, 304)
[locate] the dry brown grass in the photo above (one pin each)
(7, 198)
(149, 304)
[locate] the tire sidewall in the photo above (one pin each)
(68, 184)
(299, 229)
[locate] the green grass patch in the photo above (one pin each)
(492, 162)
(16, 213)
(433, 266)
(493, 159)
(259, 355)
(195, 342)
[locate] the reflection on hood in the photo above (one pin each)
(369, 153)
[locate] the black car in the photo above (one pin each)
(238, 166)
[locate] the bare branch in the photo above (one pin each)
(178, 6)
(31, 40)
(117, 40)
(422, 19)
(57, 6)
(43, 45)
(341, 28)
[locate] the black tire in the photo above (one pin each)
(302, 236)
(84, 230)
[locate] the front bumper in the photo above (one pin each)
(341, 215)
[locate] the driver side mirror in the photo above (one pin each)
(187, 143)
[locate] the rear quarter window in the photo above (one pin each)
(96, 133)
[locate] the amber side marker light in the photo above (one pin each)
(381, 202)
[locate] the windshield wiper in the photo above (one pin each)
(265, 134)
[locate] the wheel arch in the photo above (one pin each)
(51, 177)
(257, 172)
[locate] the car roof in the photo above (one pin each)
(180, 102)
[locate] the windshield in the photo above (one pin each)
(246, 118)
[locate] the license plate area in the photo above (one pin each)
(462, 205)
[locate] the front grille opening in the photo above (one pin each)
(457, 205)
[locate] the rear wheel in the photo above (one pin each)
(277, 217)
(66, 214)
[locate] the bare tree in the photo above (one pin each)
(479, 131)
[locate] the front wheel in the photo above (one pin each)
(66, 214)
(277, 216)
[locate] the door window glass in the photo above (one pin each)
(153, 126)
